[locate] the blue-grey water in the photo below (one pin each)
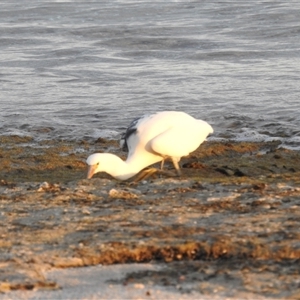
(77, 70)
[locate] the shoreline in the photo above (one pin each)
(235, 210)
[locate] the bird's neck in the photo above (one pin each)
(121, 169)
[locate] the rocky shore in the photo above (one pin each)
(228, 226)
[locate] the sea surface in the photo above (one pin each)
(84, 69)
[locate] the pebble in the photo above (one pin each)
(139, 286)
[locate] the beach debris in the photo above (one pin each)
(7, 184)
(124, 194)
(46, 187)
(230, 172)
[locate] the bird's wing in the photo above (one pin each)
(130, 131)
(180, 140)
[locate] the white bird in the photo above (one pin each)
(151, 139)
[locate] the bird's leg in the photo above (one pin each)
(145, 174)
(176, 165)
(162, 164)
(149, 172)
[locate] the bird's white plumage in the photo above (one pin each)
(150, 139)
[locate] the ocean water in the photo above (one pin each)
(83, 70)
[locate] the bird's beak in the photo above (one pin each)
(91, 171)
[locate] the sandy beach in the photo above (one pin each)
(227, 229)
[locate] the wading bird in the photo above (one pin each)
(151, 139)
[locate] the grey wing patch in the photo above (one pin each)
(132, 128)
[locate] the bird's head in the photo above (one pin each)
(94, 164)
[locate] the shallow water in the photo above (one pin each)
(84, 70)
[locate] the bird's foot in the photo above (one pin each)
(168, 173)
(153, 172)
(178, 172)
(145, 174)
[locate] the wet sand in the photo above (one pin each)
(229, 227)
